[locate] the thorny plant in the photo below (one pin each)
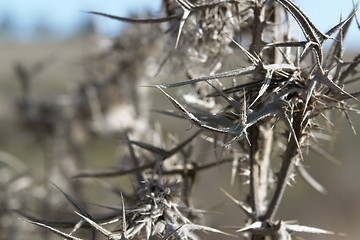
(272, 106)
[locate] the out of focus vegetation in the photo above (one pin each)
(80, 132)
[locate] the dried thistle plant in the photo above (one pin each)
(273, 105)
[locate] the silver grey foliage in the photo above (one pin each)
(275, 93)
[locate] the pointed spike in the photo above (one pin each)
(234, 170)
(288, 44)
(309, 94)
(264, 87)
(328, 82)
(54, 230)
(246, 209)
(182, 24)
(310, 180)
(181, 145)
(150, 148)
(350, 122)
(253, 59)
(293, 134)
(134, 20)
(306, 229)
(75, 203)
(229, 99)
(104, 231)
(341, 24)
(232, 73)
(123, 215)
(194, 119)
(192, 226)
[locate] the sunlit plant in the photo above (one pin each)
(277, 102)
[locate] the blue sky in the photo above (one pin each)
(65, 16)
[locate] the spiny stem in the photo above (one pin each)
(286, 170)
(254, 170)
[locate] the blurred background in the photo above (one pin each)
(58, 36)
(29, 22)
